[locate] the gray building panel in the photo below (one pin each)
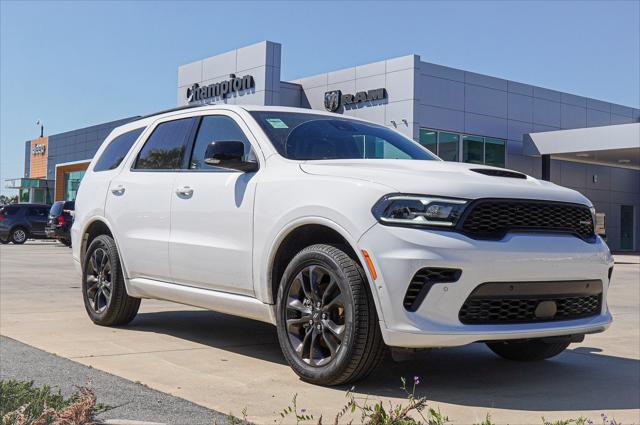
(597, 118)
(27, 158)
(485, 101)
(572, 116)
(436, 91)
(520, 107)
(546, 112)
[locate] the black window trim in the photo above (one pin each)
(191, 146)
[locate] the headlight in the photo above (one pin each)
(418, 210)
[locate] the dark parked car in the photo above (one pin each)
(19, 222)
(60, 221)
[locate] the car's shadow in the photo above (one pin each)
(579, 379)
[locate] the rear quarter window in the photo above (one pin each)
(10, 210)
(113, 154)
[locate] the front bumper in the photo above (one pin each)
(398, 253)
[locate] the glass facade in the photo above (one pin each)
(71, 184)
(475, 149)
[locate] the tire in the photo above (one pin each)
(4, 241)
(527, 351)
(19, 235)
(103, 289)
(65, 242)
(331, 359)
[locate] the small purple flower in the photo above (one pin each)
(416, 380)
(303, 410)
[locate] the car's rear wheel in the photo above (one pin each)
(103, 290)
(4, 241)
(327, 323)
(19, 236)
(527, 351)
(65, 242)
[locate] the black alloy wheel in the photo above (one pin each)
(326, 318)
(103, 288)
(99, 281)
(315, 315)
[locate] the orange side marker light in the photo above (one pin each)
(372, 269)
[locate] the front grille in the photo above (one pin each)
(494, 218)
(530, 302)
(422, 282)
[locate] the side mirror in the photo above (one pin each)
(228, 154)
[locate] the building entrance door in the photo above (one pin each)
(626, 227)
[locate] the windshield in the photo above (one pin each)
(308, 136)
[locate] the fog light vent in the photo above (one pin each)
(422, 282)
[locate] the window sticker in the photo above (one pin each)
(277, 123)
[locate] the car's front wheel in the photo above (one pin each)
(327, 323)
(531, 350)
(105, 296)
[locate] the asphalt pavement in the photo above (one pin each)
(127, 401)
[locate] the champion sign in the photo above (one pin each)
(196, 93)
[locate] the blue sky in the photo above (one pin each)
(73, 64)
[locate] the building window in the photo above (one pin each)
(71, 184)
(429, 139)
(449, 146)
(494, 151)
(474, 149)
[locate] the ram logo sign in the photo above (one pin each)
(334, 99)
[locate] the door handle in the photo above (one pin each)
(118, 190)
(184, 191)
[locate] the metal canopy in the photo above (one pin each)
(612, 145)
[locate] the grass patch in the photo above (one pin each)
(21, 403)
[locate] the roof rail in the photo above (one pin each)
(178, 108)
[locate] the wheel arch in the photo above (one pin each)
(92, 229)
(307, 232)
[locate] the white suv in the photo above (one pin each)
(346, 235)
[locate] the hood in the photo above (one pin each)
(443, 178)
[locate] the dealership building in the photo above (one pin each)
(590, 145)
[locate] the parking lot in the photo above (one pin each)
(229, 364)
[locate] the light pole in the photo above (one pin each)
(39, 123)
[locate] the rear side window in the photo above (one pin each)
(165, 148)
(117, 150)
(37, 211)
(10, 210)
